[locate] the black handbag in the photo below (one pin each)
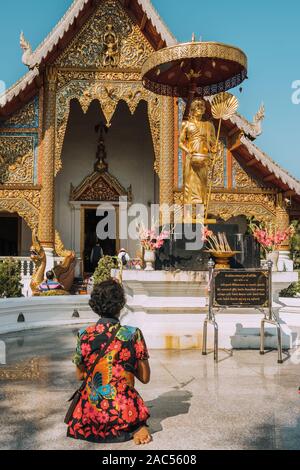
(75, 398)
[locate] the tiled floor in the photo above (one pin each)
(245, 402)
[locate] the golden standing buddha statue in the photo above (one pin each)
(198, 140)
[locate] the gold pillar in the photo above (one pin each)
(282, 223)
(166, 173)
(46, 222)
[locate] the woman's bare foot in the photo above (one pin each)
(142, 436)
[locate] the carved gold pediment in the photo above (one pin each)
(100, 187)
(109, 39)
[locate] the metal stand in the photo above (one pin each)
(269, 318)
(211, 319)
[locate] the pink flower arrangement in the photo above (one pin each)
(269, 237)
(151, 240)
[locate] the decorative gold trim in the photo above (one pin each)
(24, 202)
(226, 205)
(190, 50)
(100, 187)
(108, 93)
(201, 50)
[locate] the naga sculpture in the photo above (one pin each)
(38, 256)
(65, 271)
(27, 50)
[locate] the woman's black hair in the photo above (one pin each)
(108, 299)
(50, 275)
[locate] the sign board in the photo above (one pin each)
(241, 288)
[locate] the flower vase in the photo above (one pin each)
(149, 258)
(274, 257)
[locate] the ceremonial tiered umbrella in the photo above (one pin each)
(194, 69)
(197, 70)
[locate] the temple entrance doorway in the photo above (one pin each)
(110, 247)
(86, 180)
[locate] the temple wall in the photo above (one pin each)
(130, 159)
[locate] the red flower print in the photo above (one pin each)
(115, 346)
(92, 358)
(90, 413)
(78, 412)
(100, 328)
(122, 386)
(104, 405)
(90, 329)
(131, 394)
(143, 410)
(109, 418)
(125, 355)
(129, 413)
(85, 349)
(103, 417)
(139, 349)
(122, 402)
(118, 371)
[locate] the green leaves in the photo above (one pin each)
(10, 279)
(103, 271)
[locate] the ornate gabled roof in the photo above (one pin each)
(272, 167)
(99, 186)
(68, 20)
(147, 17)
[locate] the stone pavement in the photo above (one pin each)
(245, 402)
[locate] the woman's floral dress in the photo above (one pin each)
(109, 410)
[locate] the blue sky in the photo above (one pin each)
(268, 31)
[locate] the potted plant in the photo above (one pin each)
(270, 239)
(104, 269)
(151, 241)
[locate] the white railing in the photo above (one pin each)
(27, 269)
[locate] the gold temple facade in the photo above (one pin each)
(95, 55)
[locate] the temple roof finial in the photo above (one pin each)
(25, 45)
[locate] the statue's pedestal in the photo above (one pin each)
(184, 250)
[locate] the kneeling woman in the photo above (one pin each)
(108, 358)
